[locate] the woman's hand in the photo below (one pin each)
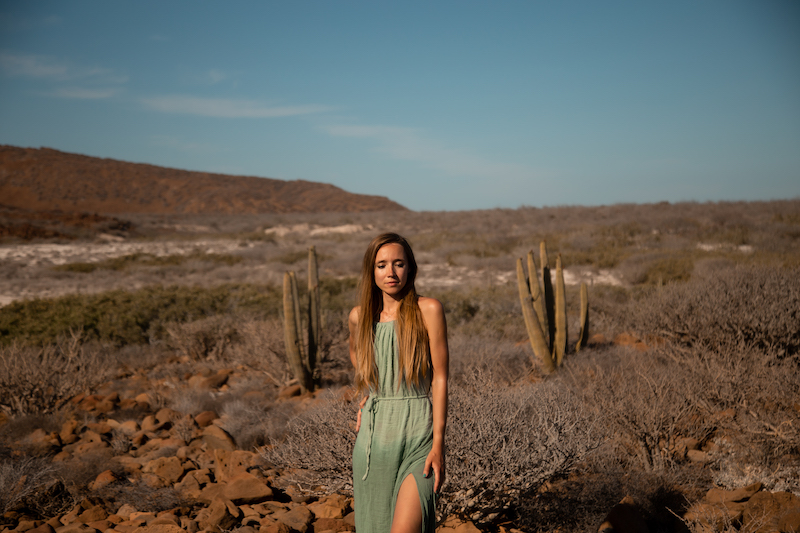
(435, 461)
(358, 417)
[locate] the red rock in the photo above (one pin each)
(228, 464)
(790, 522)
(102, 480)
(205, 418)
(332, 524)
(298, 518)
(717, 495)
(331, 506)
(246, 488)
(219, 515)
(169, 469)
(26, 525)
(277, 527)
(217, 438)
(44, 528)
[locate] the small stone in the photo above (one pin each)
(246, 488)
(205, 418)
(102, 480)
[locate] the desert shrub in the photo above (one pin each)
(754, 307)
(139, 495)
(503, 443)
(320, 443)
(255, 423)
(21, 479)
(129, 317)
(144, 259)
(40, 380)
(207, 338)
(644, 403)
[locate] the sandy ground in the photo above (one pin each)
(28, 273)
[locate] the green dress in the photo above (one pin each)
(395, 438)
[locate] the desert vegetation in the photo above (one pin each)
(144, 377)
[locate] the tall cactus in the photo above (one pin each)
(583, 337)
(549, 299)
(314, 312)
(560, 342)
(532, 323)
(545, 310)
(291, 330)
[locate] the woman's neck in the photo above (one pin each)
(390, 309)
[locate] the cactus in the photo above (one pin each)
(532, 323)
(314, 312)
(547, 288)
(538, 300)
(545, 310)
(583, 337)
(303, 363)
(560, 342)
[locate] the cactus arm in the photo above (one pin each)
(314, 313)
(560, 344)
(583, 338)
(536, 293)
(549, 299)
(535, 334)
(294, 347)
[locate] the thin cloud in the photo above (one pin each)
(227, 108)
(409, 144)
(79, 93)
(52, 69)
(215, 76)
(184, 146)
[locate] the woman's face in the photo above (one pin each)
(391, 268)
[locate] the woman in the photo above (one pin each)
(398, 346)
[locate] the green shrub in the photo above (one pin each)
(129, 317)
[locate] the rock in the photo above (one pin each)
(125, 511)
(790, 522)
(228, 464)
(205, 418)
(26, 525)
(246, 488)
(220, 515)
(332, 506)
(169, 469)
(217, 438)
(160, 528)
(93, 514)
(128, 428)
(698, 456)
(44, 528)
(625, 517)
(332, 524)
(277, 527)
(298, 518)
(717, 495)
(67, 433)
(770, 507)
(187, 524)
(102, 480)
(715, 516)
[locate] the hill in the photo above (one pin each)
(45, 180)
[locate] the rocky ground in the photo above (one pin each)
(155, 469)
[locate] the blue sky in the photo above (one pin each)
(439, 105)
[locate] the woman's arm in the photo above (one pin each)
(433, 313)
(352, 322)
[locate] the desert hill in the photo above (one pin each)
(45, 180)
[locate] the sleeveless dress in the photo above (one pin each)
(395, 438)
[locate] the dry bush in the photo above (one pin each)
(319, 443)
(40, 380)
(744, 306)
(644, 403)
(21, 479)
(208, 338)
(255, 423)
(503, 443)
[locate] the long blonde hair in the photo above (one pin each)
(412, 335)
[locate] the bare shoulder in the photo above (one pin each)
(355, 313)
(431, 308)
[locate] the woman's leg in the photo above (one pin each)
(407, 510)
